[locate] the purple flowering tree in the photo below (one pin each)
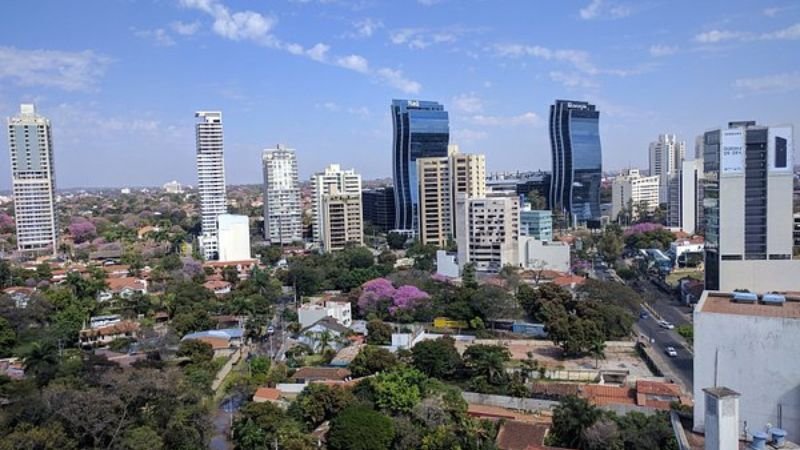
(407, 298)
(6, 223)
(82, 230)
(641, 228)
(380, 297)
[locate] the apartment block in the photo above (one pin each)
(487, 231)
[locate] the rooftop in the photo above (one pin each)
(320, 373)
(723, 303)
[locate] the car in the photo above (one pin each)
(665, 324)
(671, 352)
(270, 330)
(644, 315)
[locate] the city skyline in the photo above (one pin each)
(118, 93)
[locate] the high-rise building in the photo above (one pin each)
(534, 185)
(378, 207)
(33, 180)
(421, 130)
(210, 179)
(342, 220)
(173, 187)
(487, 231)
(233, 237)
(332, 180)
(577, 160)
(283, 215)
(634, 192)
(684, 210)
(748, 206)
(666, 155)
(441, 180)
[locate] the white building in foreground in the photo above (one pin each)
(487, 231)
(210, 179)
(749, 344)
(234, 237)
(635, 191)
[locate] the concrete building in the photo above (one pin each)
(173, 187)
(666, 155)
(283, 214)
(310, 313)
(538, 254)
(530, 184)
(446, 264)
(210, 179)
(378, 207)
(233, 237)
(748, 208)
(441, 179)
(747, 342)
(685, 209)
(632, 190)
(487, 231)
(342, 183)
(342, 222)
(537, 224)
(33, 181)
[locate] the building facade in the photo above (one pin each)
(283, 214)
(746, 341)
(420, 130)
(341, 183)
(487, 231)
(435, 201)
(631, 191)
(537, 224)
(539, 255)
(378, 207)
(210, 179)
(341, 220)
(33, 180)
(577, 160)
(685, 209)
(666, 155)
(233, 237)
(748, 206)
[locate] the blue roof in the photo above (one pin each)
(225, 333)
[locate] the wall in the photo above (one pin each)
(759, 275)
(535, 254)
(446, 264)
(757, 357)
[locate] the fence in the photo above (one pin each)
(226, 369)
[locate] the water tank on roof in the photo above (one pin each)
(759, 441)
(773, 299)
(778, 437)
(745, 297)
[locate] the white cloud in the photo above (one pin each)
(528, 118)
(362, 111)
(467, 136)
(467, 103)
(429, 2)
(578, 58)
(715, 36)
(603, 9)
(185, 29)
(159, 36)
(396, 79)
(365, 28)
(572, 80)
(658, 50)
(318, 52)
(354, 62)
(783, 82)
(71, 71)
(420, 38)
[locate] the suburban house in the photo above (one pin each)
(104, 335)
(310, 313)
(20, 294)
(224, 342)
(326, 332)
(314, 374)
(123, 287)
(272, 395)
(218, 287)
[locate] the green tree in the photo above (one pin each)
(424, 255)
(196, 350)
(437, 358)
(141, 438)
(468, 278)
(360, 428)
(8, 338)
(41, 360)
(372, 359)
(44, 272)
(610, 244)
(570, 418)
(398, 391)
(487, 362)
(396, 241)
(49, 436)
(318, 403)
(379, 332)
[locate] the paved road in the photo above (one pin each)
(666, 305)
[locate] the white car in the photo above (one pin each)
(270, 330)
(671, 352)
(665, 324)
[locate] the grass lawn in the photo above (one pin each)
(672, 279)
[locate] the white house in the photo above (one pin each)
(123, 287)
(551, 255)
(310, 313)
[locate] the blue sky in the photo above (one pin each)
(120, 80)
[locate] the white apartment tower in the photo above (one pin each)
(487, 230)
(33, 180)
(210, 179)
(638, 192)
(441, 179)
(233, 238)
(331, 181)
(283, 216)
(684, 210)
(666, 155)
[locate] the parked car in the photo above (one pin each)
(665, 324)
(270, 330)
(671, 352)
(644, 315)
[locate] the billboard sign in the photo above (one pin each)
(732, 152)
(780, 149)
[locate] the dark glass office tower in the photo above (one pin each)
(378, 207)
(421, 130)
(577, 160)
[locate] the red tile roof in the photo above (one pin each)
(265, 393)
(118, 284)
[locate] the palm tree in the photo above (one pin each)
(598, 349)
(41, 360)
(324, 340)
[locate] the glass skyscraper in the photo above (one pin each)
(421, 130)
(577, 160)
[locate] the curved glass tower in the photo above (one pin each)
(577, 160)
(421, 130)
